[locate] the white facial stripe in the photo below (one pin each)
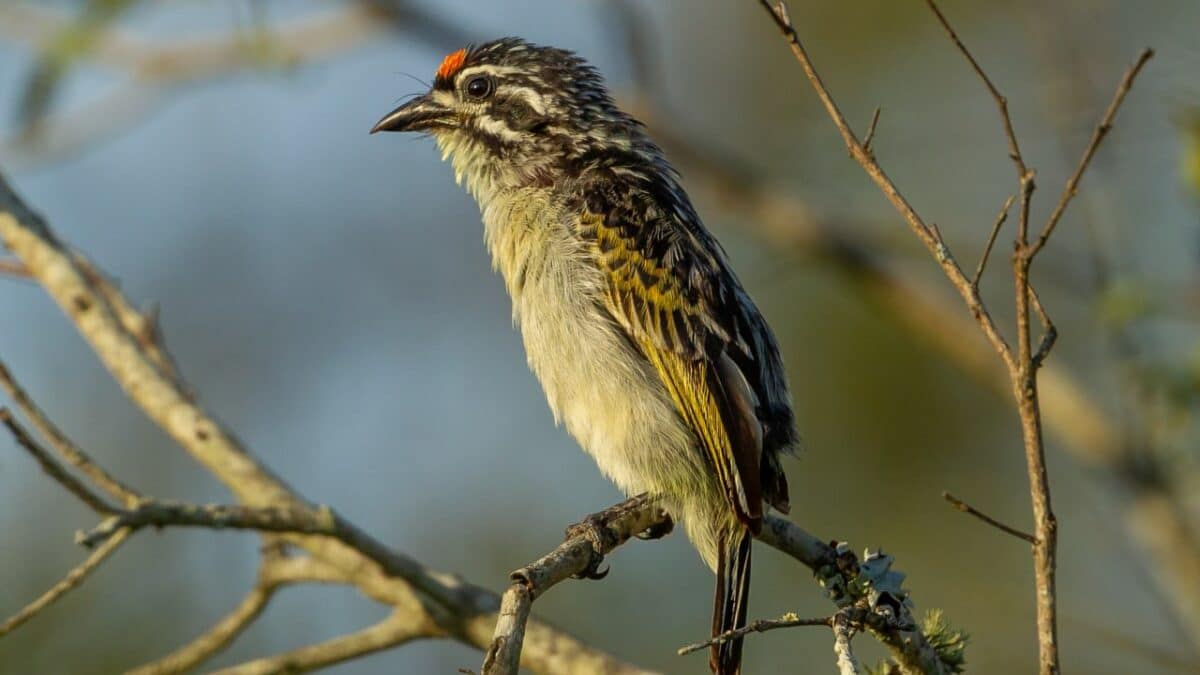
(494, 71)
(533, 98)
(497, 128)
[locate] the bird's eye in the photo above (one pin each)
(479, 87)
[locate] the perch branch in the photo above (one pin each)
(459, 609)
(843, 631)
(575, 555)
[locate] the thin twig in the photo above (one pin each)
(1014, 148)
(63, 445)
(395, 630)
(967, 508)
(991, 240)
(1098, 134)
(274, 572)
(871, 131)
(788, 620)
(1049, 331)
(926, 234)
(73, 579)
(53, 468)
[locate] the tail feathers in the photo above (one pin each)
(730, 601)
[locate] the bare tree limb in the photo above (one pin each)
(393, 631)
(427, 597)
(1098, 134)
(63, 445)
(157, 68)
(275, 572)
(967, 508)
(991, 240)
(843, 631)
(788, 620)
(579, 553)
(925, 233)
(1024, 364)
(53, 468)
(69, 583)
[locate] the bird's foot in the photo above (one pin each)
(659, 529)
(597, 531)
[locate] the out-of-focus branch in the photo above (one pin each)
(276, 571)
(155, 68)
(53, 468)
(397, 629)
(422, 599)
(789, 620)
(75, 577)
(62, 445)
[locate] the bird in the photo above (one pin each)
(649, 350)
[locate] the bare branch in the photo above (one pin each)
(217, 638)
(843, 631)
(967, 508)
(461, 610)
(788, 620)
(395, 630)
(926, 234)
(1022, 366)
(1014, 148)
(1098, 135)
(580, 553)
(63, 445)
(155, 69)
(70, 582)
(1049, 331)
(871, 131)
(991, 240)
(53, 468)
(276, 571)
(281, 519)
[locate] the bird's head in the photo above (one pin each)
(513, 114)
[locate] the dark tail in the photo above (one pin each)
(729, 605)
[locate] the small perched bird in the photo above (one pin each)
(647, 346)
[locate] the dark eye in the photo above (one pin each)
(479, 87)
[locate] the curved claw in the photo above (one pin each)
(595, 530)
(593, 571)
(659, 530)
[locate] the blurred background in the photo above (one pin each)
(327, 294)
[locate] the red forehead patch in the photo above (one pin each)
(452, 64)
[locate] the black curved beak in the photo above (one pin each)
(419, 114)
